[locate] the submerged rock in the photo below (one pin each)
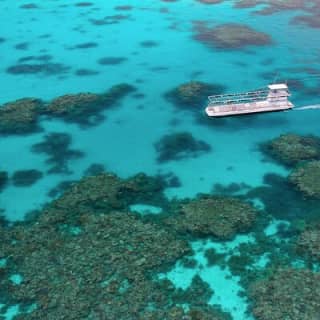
(20, 116)
(290, 148)
(306, 177)
(221, 217)
(287, 294)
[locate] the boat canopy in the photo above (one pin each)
(278, 86)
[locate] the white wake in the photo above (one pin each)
(314, 106)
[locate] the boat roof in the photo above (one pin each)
(277, 86)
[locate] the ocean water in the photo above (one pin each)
(151, 45)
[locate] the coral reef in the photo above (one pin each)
(180, 145)
(221, 217)
(60, 188)
(56, 146)
(306, 177)
(290, 205)
(94, 169)
(192, 95)
(274, 6)
(71, 107)
(107, 61)
(230, 36)
(25, 178)
(106, 192)
(290, 149)
(3, 179)
(308, 243)
(86, 108)
(78, 254)
(71, 274)
(20, 116)
(287, 294)
(46, 69)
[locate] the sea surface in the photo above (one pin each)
(68, 47)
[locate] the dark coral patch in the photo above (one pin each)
(113, 19)
(311, 20)
(123, 8)
(60, 188)
(44, 57)
(57, 147)
(3, 179)
(86, 72)
(111, 60)
(306, 177)
(20, 116)
(210, 1)
(149, 44)
(84, 4)
(85, 45)
(25, 178)
(221, 217)
(29, 6)
(230, 36)
(192, 94)
(47, 69)
(85, 108)
(94, 169)
(22, 46)
(2, 40)
(292, 203)
(180, 145)
(286, 293)
(291, 149)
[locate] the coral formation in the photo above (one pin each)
(192, 95)
(216, 216)
(106, 191)
(3, 179)
(72, 274)
(308, 243)
(56, 146)
(290, 205)
(20, 116)
(85, 108)
(306, 177)
(46, 69)
(25, 178)
(180, 145)
(94, 169)
(229, 36)
(287, 294)
(290, 149)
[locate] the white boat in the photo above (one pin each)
(275, 98)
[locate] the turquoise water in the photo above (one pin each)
(152, 47)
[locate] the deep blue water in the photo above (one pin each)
(152, 45)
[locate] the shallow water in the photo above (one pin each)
(151, 46)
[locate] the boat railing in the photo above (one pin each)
(245, 98)
(256, 92)
(238, 97)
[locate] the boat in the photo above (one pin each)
(275, 98)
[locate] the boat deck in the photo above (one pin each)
(247, 108)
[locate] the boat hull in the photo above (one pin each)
(234, 111)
